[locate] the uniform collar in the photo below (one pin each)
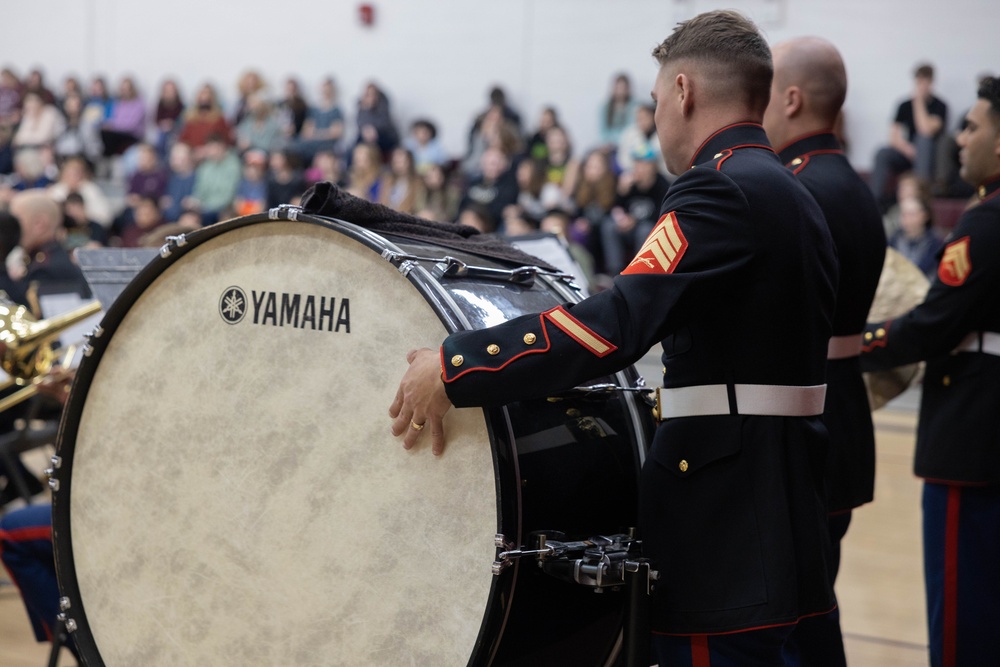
(988, 189)
(737, 135)
(824, 141)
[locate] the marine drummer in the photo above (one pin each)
(957, 331)
(736, 282)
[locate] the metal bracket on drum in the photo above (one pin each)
(452, 267)
(598, 562)
(284, 212)
(173, 242)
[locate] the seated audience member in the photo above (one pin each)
(536, 148)
(908, 186)
(41, 124)
(29, 173)
(150, 178)
(251, 194)
(558, 223)
(326, 166)
(423, 143)
(145, 217)
(180, 182)
(639, 138)
(374, 120)
(498, 99)
(495, 189)
(249, 83)
(441, 196)
(401, 188)
(364, 175)
(78, 137)
(561, 168)
(635, 213)
(81, 231)
(324, 125)
(292, 109)
(35, 83)
(99, 102)
(74, 176)
(596, 194)
(215, 181)
(516, 224)
(203, 120)
(616, 113)
(127, 123)
(491, 131)
(168, 117)
(285, 184)
(530, 178)
(915, 238)
(478, 217)
(261, 128)
(10, 98)
(913, 136)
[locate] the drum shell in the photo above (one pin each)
(531, 486)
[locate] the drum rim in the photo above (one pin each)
(502, 587)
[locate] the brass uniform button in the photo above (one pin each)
(717, 156)
(868, 336)
(796, 162)
(880, 333)
(946, 380)
(457, 360)
(493, 350)
(530, 338)
(683, 465)
(982, 191)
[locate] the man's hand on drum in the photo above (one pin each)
(421, 401)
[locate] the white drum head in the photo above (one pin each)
(237, 497)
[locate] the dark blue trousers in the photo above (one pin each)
(753, 648)
(962, 574)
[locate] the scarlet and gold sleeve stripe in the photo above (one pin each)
(576, 330)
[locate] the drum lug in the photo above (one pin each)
(54, 484)
(172, 243)
(284, 212)
(64, 603)
(96, 333)
(68, 623)
(56, 462)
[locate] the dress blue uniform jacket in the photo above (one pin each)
(958, 433)
(737, 283)
(858, 233)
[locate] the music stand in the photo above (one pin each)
(109, 270)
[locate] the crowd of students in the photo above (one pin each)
(186, 162)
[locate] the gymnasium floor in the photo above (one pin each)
(880, 586)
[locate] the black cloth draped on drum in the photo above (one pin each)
(327, 199)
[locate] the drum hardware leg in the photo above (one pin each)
(639, 579)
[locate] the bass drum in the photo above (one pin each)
(227, 491)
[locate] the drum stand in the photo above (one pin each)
(598, 562)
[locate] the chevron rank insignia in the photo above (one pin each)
(955, 264)
(662, 250)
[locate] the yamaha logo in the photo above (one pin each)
(233, 305)
(285, 309)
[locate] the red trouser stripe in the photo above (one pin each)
(699, 651)
(949, 641)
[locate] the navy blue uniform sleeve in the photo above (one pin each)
(968, 277)
(702, 240)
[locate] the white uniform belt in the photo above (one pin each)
(747, 399)
(844, 347)
(987, 342)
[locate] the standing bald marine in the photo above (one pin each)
(809, 87)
